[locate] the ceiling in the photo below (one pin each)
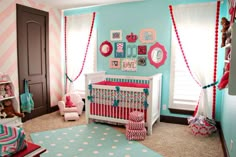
(69, 4)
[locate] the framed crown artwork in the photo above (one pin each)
(116, 35)
(131, 38)
(147, 36)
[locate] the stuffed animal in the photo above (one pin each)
(225, 26)
(2, 114)
(225, 78)
(8, 90)
(9, 110)
(69, 103)
(2, 91)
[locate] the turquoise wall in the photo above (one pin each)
(227, 121)
(132, 17)
(228, 110)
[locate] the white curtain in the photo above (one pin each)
(196, 27)
(77, 35)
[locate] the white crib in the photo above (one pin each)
(113, 103)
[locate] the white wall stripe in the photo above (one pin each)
(54, 26)
(7, 21)
(26, 2)
(7, 43)
(5, 4)
(12, 58)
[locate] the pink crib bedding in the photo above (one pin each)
(123, 84)
(103, 100)
(114, 112)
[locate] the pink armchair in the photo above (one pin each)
(77, 101)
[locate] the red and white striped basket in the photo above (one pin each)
(136, 116)
(136, 125)
(135, 134)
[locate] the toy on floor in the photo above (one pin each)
(135, 129)
(201, 125)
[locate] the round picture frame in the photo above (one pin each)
(106, 48)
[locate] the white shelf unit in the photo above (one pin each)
(14, 121)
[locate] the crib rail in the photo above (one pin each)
(137, 79)
(108, 103)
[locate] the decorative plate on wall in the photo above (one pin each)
(157, 55)
(106, 48)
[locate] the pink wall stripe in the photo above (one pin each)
(6, 12)
(57, 21)
(8, 52)
(57, 94)
(57, 81)
(12, 69)
(8, 31)
(55, 35)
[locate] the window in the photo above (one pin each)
(196, 25)
(77, 34)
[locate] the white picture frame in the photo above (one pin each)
(116, 35)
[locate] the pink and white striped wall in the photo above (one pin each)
(8, 45)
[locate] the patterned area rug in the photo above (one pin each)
(92, 140)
